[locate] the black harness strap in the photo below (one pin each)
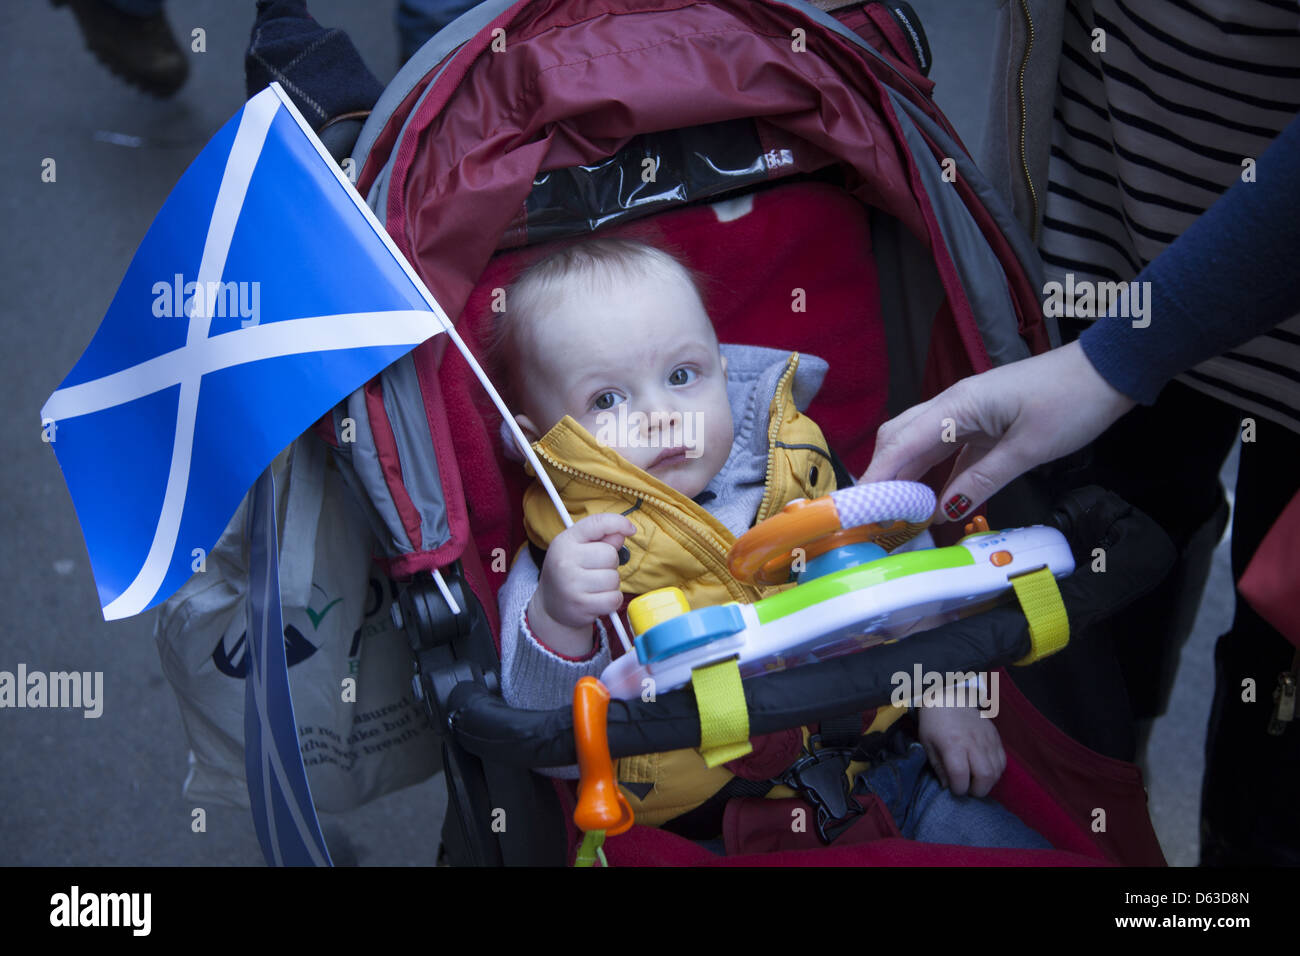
(841, 733)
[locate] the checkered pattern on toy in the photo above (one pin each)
(882, 501)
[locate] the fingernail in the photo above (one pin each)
(956, 506)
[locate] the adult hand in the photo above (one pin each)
(1008, 419)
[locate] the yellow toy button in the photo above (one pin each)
(655, 607)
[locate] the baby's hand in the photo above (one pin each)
(964, 748)
(579, 583)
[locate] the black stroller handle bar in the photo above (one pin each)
(1137, 555)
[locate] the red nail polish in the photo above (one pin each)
(956, 506)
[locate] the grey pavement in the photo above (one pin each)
(108, 791)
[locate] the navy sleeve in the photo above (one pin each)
(1232, 275)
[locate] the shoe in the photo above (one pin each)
(141, 50)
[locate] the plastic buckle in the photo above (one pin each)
(821, 778)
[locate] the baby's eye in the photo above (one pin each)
(682, 376)
(606, 400)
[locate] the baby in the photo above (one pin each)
(607, 323)
(623, 324)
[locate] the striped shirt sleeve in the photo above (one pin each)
(1234, 274)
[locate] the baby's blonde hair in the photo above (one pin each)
(598, 262)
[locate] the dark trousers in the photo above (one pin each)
(1250, 801)
(1165, 460)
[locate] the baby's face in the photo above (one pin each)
(634, 359)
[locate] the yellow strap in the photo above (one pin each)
(1040, 599)
(724, 718)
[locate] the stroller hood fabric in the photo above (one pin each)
(449, 165)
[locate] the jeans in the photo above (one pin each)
(927, 812)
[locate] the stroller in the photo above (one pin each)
(775, 147)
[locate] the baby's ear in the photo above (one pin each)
(511, 444)
(527, 427)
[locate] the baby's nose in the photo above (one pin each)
(665, 422)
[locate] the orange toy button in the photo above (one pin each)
(999, 558)
(978, 526)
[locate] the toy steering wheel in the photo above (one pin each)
(885, 512)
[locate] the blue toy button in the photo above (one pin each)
(689, 630)
(837, 559)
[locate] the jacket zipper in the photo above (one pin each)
(699, 530)
(1024, 158)
(771, 445)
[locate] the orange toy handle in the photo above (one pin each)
(601, 805)
(764, 553)
(759, 553)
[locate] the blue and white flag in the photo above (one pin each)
(263, 294)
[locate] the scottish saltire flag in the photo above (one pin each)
(263, 294)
